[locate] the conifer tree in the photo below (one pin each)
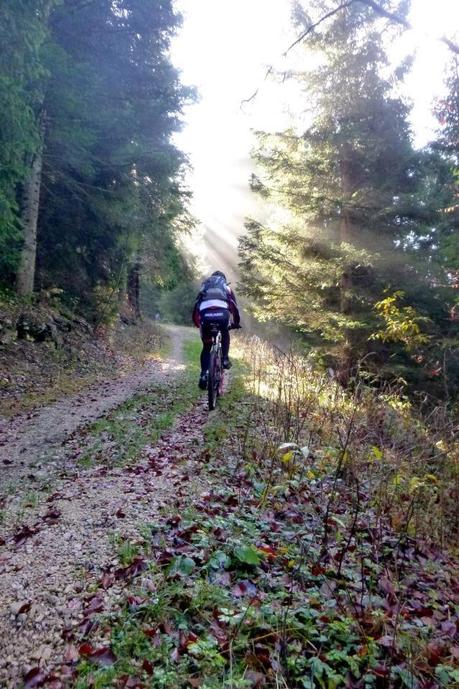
(447, 145)
(23, 30)
(352, 221)
(93, 180)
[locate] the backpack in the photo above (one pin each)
(214, 288)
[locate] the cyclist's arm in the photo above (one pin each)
(234, 311)
(196, 316)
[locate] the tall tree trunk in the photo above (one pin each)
(345, 237)
(25, 277)
(345, 227)
(29, 219)
(133, 289)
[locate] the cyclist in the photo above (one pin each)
(215, 303)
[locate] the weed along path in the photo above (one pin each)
(79, 482)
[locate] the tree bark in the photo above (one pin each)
(25, 278)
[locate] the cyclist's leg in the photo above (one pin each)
(225, 348)
(206, 338)
(205, 354)
(225, 342)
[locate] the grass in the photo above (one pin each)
(126, 551)
(21, 504)
(221, 425)
(31, 499)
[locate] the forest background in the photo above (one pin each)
(357, 251)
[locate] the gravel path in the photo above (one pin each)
(36, 440)
(51, 563)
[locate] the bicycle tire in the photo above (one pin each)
(219, 371)
(212, 380)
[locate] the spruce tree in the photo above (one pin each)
(23, 30)
(110, 171)
(447, 145)
(348, 220)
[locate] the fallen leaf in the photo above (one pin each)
(244, 588)
(71, 654)
(148, 667)
(108, 579)
(96, 604)
(34, 678)
(86, 649)
(103, 656)
(52, 516)
(257, 679)
(24, 533)
(21, 607)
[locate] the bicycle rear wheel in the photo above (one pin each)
(213, 381)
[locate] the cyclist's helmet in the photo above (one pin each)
(218, 273)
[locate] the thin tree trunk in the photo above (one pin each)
(133, 289)
(25, 278)
(345, 230)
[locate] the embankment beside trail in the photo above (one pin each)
(47, 353)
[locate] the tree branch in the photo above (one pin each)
(311, 28)
(400, 20)
(255, 93)
(385, 13)
(392, 16)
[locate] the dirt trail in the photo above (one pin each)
(36, 439)
(50, 566)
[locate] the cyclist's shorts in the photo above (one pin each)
(210, 317)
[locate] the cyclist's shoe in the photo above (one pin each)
(203, 381)
(226, 363)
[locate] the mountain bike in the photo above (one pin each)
(215, 376)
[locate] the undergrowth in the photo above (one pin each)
(312, 561)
